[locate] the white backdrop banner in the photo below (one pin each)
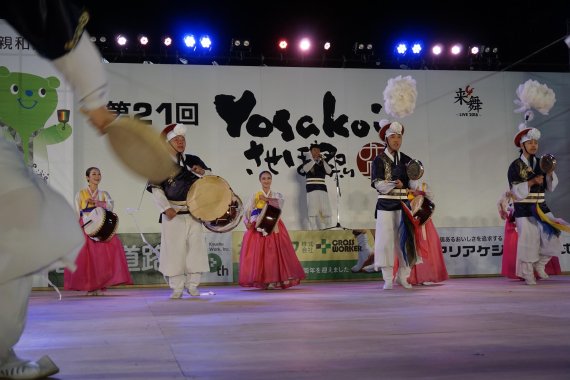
(246, 119)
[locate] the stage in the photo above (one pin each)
(464, 328)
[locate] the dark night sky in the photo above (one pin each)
(520, 29)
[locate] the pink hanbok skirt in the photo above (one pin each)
(99, 266)
(269, 261)
(432, 268)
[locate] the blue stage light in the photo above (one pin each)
(190, 41)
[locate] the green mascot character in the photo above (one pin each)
(27, 101)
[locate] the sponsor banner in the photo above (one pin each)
(325, 255)
(142, 260)
(479, 251)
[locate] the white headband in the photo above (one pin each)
(395, 128)
(533, 134)
(178, 130)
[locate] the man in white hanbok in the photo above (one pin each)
(183, 257)
(391, 182)
(537, 241)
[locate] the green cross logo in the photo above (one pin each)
(323, 246)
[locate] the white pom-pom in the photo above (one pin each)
(522, 126)
(532, 94)
(400, 96)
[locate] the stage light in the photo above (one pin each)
(102, 39)
(121, 40)
(93, 39)
(327, 45)
(143, 40)
(190, 41)
(455, 49)
(282, 44)
(364, 48)
(167, 41)
(417, 48)
(239, 44)
(474, 50)
(437, 49)
(401, 48)
(206, 43)
(305, 44)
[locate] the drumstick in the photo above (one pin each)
(86, 223)
(141, 149)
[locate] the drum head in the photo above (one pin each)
(547, 163)
(415, 169)
(209, 198)
(93, 222)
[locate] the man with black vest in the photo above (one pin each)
(318, 204)
(391, 182)
(183, 257)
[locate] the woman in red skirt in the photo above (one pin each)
(100, 264)
(267, 257)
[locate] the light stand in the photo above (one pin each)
(338, 225)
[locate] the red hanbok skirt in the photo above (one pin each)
(509, 262)
(99, 265)
(270, 259)
(432, 268)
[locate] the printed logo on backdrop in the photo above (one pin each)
(365, 157)
(219, 257)
(337, 246)
(179, 113)
(11, 42)
(238, 113)
(469, 102)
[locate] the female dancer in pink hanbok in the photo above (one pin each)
(267, 257)
(100, 264)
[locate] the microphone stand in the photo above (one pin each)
(338, 194)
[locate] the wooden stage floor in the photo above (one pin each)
(465, 328)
